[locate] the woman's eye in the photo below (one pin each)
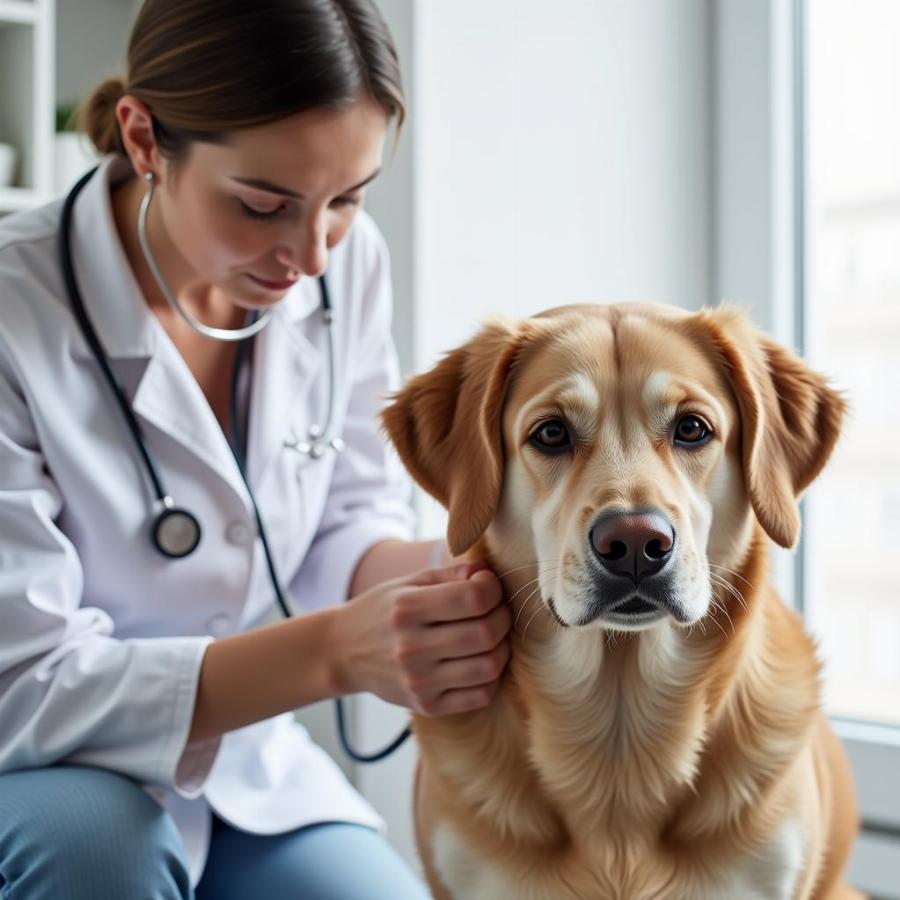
(551, 437)
(260, 213)
(692, 431)
(339, 202)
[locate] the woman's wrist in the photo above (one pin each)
(338, 672)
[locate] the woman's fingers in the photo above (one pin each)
(451, 640)
(463, 700)
(449, 600)
(470, 680)
(435, 642)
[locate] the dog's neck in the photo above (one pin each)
(619, 730)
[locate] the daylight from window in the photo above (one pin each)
(853, 334)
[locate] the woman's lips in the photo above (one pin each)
(272, 285)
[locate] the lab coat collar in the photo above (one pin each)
(156, 379)
(109, 290)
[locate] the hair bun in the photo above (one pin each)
(97, 117)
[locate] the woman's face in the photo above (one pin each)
(272, 201)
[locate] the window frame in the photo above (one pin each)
(759, 116)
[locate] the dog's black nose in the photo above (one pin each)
(634, 545)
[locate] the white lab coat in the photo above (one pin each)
(101, 637)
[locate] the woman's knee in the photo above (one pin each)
(77, 832)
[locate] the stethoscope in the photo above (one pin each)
(175, 531)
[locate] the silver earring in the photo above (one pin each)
(292, 275)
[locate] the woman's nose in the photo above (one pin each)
(309, 255)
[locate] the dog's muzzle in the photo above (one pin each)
(633, 552)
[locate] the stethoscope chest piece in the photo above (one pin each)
(176, 532)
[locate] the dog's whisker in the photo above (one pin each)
(728, 616)
(529, 622)
(528, 584)
(731, 571)
(738, 596)
(732, 592)
(718, 606)
(721, 582)
(524, 604)
(524, 586)
(528, 566)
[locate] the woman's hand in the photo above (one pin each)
(434, 642)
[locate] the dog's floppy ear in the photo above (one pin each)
(790, 419)
(446, 426)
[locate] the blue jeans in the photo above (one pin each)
(77, 833)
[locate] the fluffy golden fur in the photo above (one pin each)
(682, 759)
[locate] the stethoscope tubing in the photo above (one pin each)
(319, 441)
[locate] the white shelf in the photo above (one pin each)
(27, 75)
(17, 12)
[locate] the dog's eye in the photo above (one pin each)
(691, 431)
(551, 437)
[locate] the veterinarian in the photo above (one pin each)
(194, 348)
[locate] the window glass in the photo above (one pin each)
(852, 312)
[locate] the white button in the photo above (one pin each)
(219, 624)
(239, 533)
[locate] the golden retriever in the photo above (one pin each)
(658, 734)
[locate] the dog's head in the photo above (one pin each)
(624, 450)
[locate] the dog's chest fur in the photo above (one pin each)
(613, 778)
(770, 873)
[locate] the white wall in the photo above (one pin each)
(92, 42)
(562, 155)
(557, 153)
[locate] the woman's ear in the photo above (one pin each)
(790, 418)
(446, 426)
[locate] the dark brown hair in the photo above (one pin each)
(205, 68)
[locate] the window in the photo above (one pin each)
(852, 331)
(806, 233)
(848, 251)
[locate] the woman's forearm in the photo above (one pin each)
(392, 559)
(253, 676)
(281, 667)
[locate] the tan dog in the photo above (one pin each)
(658, 733)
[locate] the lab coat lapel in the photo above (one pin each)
(110, 293)
(286, 366)
(169, 398)
(157, 380)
